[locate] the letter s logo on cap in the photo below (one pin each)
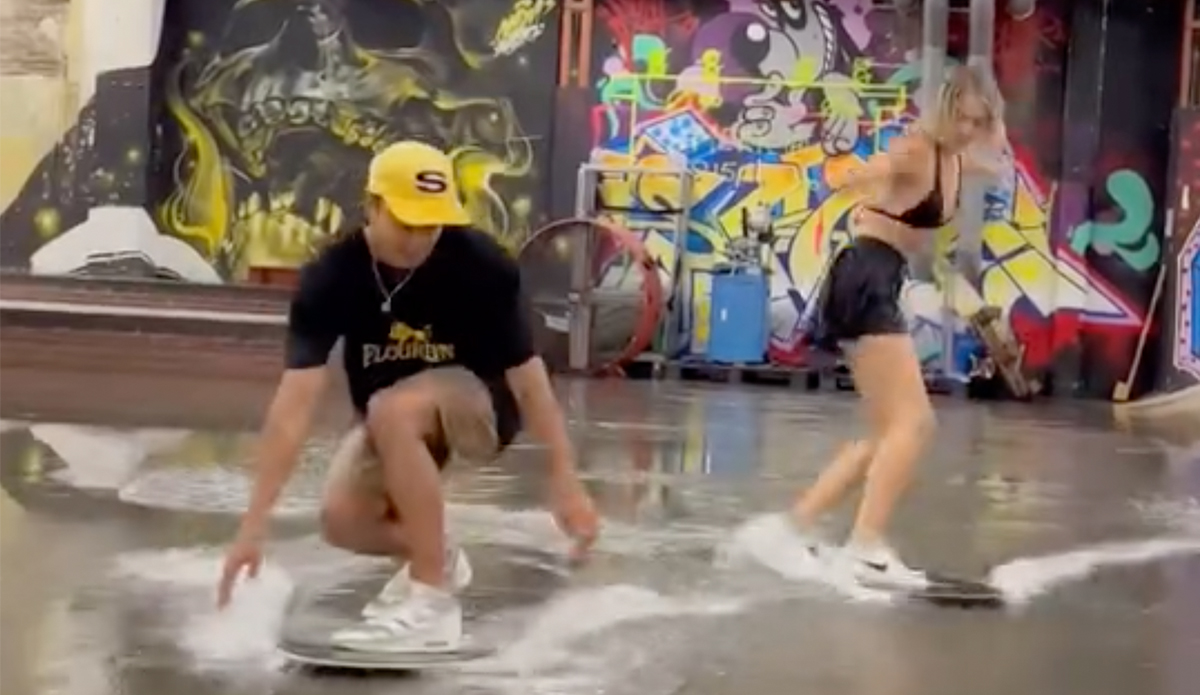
(432, 182)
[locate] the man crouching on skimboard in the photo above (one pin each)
(439, 360)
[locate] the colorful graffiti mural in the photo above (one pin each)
(763, 101)
(1187, 320)
(272, 108)
(1182, 308)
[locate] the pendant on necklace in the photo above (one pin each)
(386, 307)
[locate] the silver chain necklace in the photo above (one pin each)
(386, 306)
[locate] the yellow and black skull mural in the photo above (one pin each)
(280, 113)
(265, 113)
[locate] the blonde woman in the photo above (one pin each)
(907, 191)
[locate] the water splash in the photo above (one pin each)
(101, 458)
(565, 646)
(241, 637)
(771, 541)
(568, 645)
(1024, 579)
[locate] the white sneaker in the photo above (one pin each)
(459, 576)
(428, 621)
(879, 566)
(813, 543)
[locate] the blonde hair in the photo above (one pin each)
(961, 83)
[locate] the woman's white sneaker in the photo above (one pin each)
(428, 621)
(458, 577)
(879, 566)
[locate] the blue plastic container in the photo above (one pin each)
(966, 350)
(738, 329)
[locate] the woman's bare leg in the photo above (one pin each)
(845, 473)
(887, 373)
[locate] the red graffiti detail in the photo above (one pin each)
(1016, 51)
(1023, 49)
(1037, 334)
(628, 18)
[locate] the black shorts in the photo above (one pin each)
(861, 294)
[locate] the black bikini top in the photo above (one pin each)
(926, 214)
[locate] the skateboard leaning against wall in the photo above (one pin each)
(1004, 354)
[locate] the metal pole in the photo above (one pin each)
(582, 295)
(934, 26)
(970, 223)
(933, 51)
(679, 316)
(968, 251)
(579, 313)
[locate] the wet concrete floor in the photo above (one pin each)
(115, 508)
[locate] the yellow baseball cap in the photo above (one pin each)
(416, 181)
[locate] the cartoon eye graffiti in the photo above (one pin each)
(786, 13)
(749, 47)
(794, 11)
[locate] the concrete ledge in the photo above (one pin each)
(103, 350)
(110, 310)
(93, 317)
(145, 293)
(19, 281)
(147, 380)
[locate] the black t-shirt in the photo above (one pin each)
(462, 306)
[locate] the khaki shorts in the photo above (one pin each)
(466, 427)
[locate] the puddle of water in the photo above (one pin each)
(225, 491)
(1181, 515)
(214, 491)
(80, 664)
(564, 646)
(574, 643)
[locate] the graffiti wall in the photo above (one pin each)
(39, 50)
(270, 109)
(1180, 308)
(763, 100)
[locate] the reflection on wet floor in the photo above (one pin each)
(111, 539)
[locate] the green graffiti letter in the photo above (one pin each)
(1130, 237)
